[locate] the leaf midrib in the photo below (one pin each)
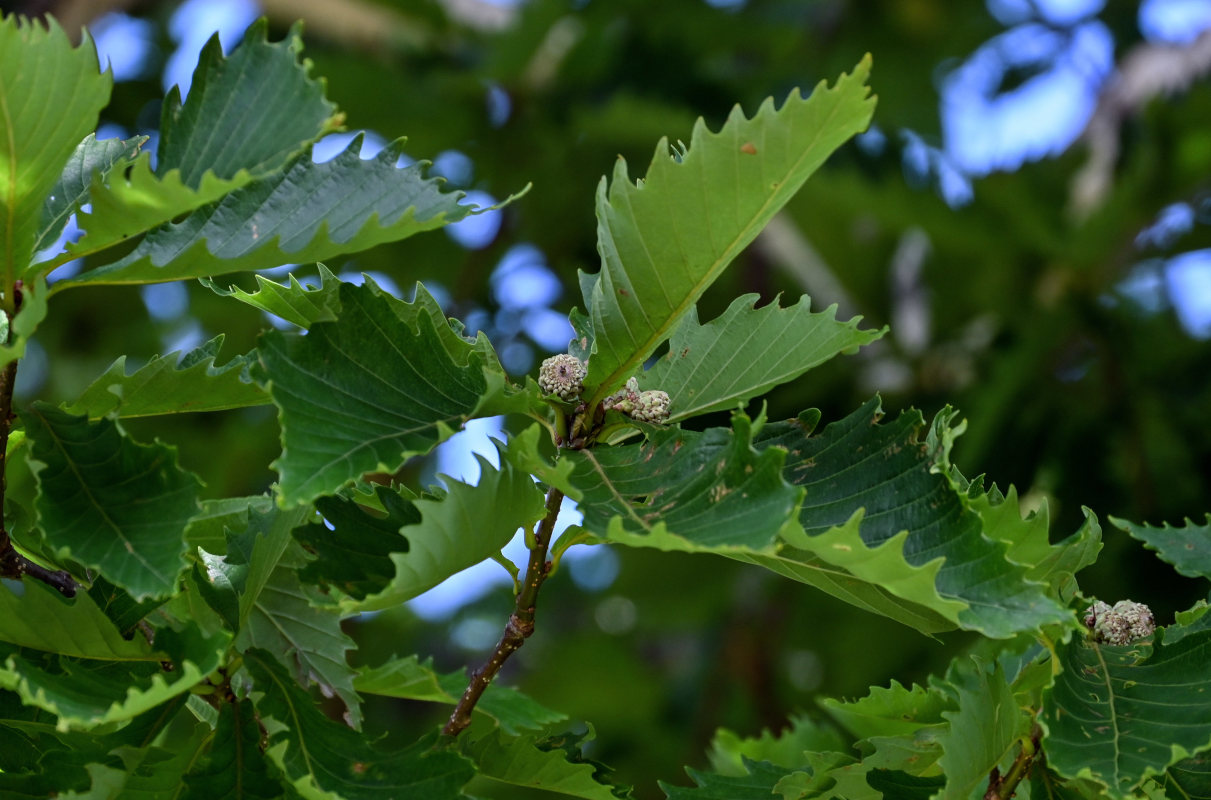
(663, 331)
(130, 548)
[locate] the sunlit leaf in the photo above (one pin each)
(982, 731)
(304, 212)
(171, 384)
(890, 712)
(665, 239)
(85, 693)
(71, 190)
(745, 352)
(465, 526)
(41, 619)
(50, 96)
(292, 301)
(785, 748)
(1054, 564)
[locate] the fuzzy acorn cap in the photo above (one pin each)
(652, 406)
(1125, 623)
(562, 375)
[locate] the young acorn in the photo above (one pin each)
(562, 375)
(1125, 623)
(649, 406)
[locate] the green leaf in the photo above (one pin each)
(148, 773)
(729, 752)
(319, 753)
(292, 301)
(52, 774)
(131, 201)
(208, 528)
(235, 768)
(41, 619)
(665, 239)
(1120, 713)
(109, 502)
(121, 609)
(876, 577)
(249, 111)
(893, 711)
(747, 351)
(34, 294)
(410, 679)
(386, 381)
(684, 490)
(1028, 540)
(757, 784)
(903, 786)
(354, 555)
(306, 639)
(50, 96)
(171, 384)
(1187, 548)
(551, 764)
(982, 731)
(71, 190)
(459, 530)
(304, 212)
(86, 693)
(1190, 778)
(889, 472)
(274, 612)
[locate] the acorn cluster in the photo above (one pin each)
(649, 406)
(1124, 623)
(563, 376)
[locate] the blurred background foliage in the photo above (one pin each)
(1029, 215)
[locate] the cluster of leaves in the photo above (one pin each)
(187, 662)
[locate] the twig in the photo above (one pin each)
(13, 564)
(521, 621)
(1003, 788)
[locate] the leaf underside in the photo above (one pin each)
(665, 239)
(745, 352)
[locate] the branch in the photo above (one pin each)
(521, 621)
(1147, 71)
(13, 564)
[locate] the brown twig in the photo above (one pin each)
(13, 564)
(521, 621)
